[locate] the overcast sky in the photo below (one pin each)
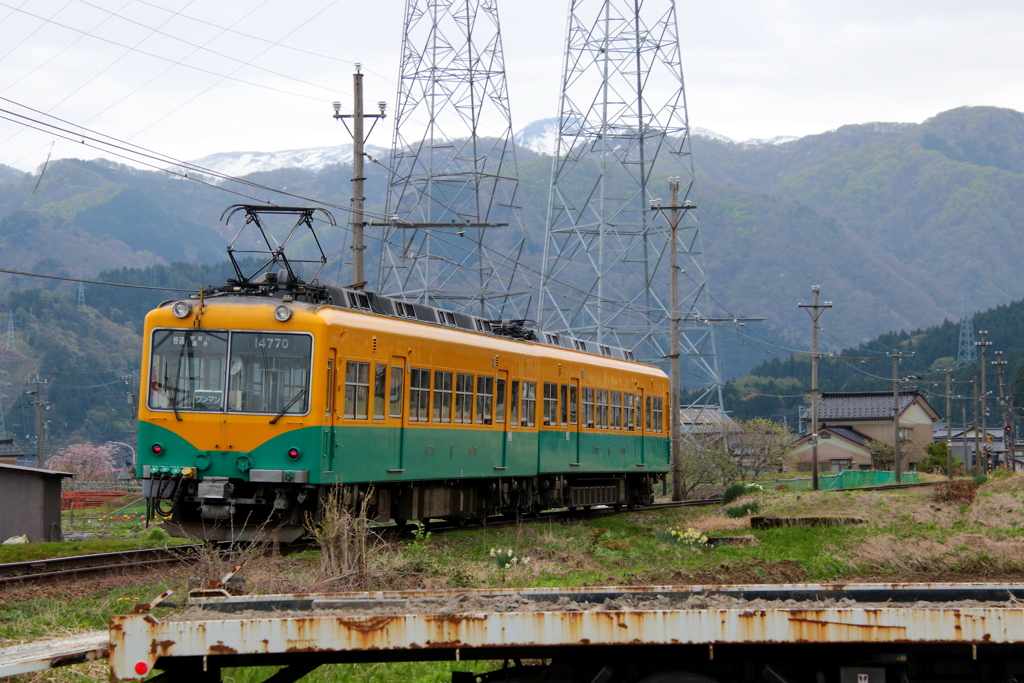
(754, 68)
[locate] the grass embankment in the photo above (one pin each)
(908, 535)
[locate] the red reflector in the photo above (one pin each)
(141, 668)
(157, 448)
(293, 453)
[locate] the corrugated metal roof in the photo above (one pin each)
(865, 405)
(35, 470)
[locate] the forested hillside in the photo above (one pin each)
(777, 388)
(896, 222)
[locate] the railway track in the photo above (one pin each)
(61, 568)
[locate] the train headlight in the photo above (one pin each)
(181, 309)
(283, 313)
(294, 453)
(157, 449)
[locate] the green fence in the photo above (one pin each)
(850, 479)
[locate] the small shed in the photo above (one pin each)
(30, 500)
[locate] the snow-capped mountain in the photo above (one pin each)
(541, 137)
(242, 163)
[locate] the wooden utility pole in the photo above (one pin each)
(984, 398)
(358, 174)
(897, 462)
(814, 310)
(949, 426)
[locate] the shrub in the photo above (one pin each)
(782, 487)
(741, 510)
(980, 479)
(959, 492)
(737, 490)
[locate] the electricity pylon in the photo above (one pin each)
(622, 130)
(453, 236)
(967, 353)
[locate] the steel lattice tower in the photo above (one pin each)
(12, 342)
(453, 169)
(623, 130)
(967, 352)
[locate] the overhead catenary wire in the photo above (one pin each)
(132, 155)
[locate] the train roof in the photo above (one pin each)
(394, 307)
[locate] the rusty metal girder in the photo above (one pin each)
(138, 641)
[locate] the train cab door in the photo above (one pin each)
(330, 438)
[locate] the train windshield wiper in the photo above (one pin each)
(284, 410)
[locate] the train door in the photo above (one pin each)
(397, 408)
(501, 412)
(641, 425)
(575, 419)
(329, 437)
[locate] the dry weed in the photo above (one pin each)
(960, 553)
(961, 492)
(343, 537)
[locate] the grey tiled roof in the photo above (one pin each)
(865, 405)
(8, 448)
(847, 433)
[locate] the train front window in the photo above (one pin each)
(269, 373)
(187, 370)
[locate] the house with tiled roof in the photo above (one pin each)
(10, 452)
(849, 422)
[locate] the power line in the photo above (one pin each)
(92, 282)
(175, 62)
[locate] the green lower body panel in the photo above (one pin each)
(379, 454)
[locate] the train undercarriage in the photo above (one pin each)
(222, 509)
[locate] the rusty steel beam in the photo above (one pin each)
(138, 641)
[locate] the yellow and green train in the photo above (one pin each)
(257, 399)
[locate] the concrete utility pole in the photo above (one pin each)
(984, 397)
(949, 426)
(358, 175)
(41, 405)
(977, 434)
(999, 363)
(814, 310)
(677, 455)
(897, 464)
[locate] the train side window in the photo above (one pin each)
(464, 398)
(484, 399)
(380, 385)
(529, 416)
(357, 389)
(602, 409)
(514, 417)
(330, 385)
(397, 377)
(647, 414)
(657, 415)
(639, 412)
(550, 404)
(616, 410)
(499, 401)
(627, 409)
(442, 396)
(419, 395)
(573, 404)
(588, 407)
